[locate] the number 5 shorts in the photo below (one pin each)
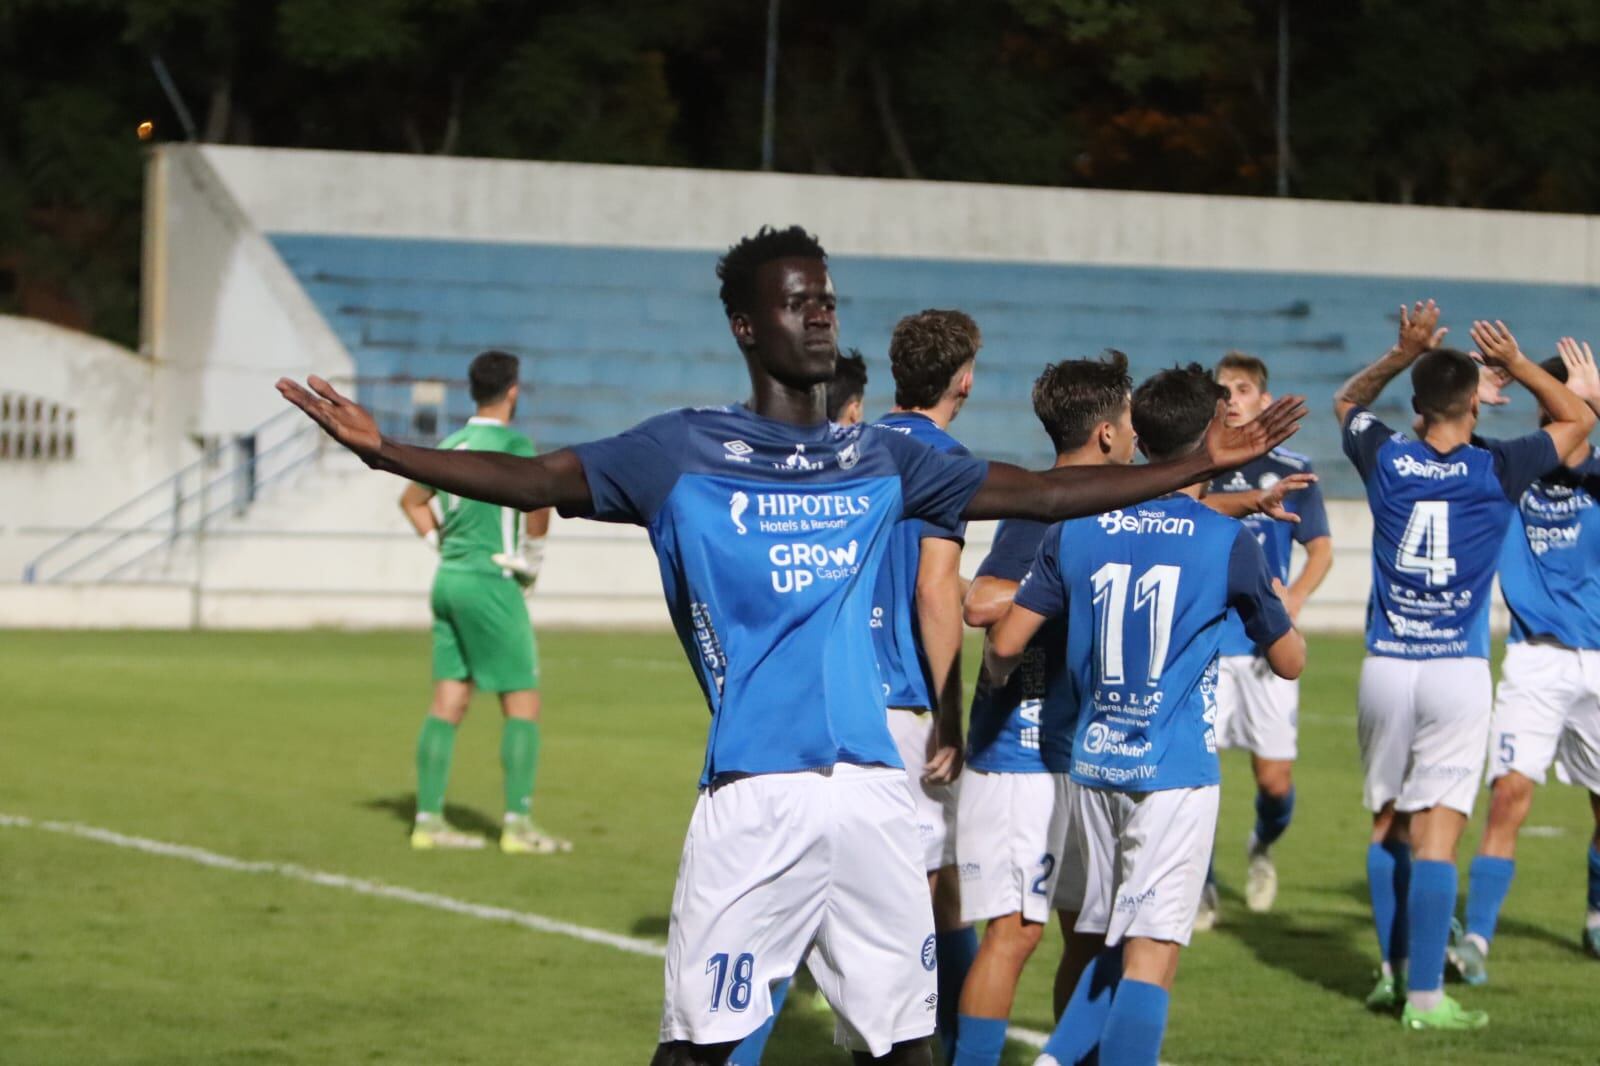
(776, 866)
(1547, 710)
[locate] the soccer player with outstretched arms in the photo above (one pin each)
(1440, 505)
(770, 526)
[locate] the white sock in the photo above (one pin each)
(1425, 1001)
(1592, 921)
(1388, 970)
(1483, 945)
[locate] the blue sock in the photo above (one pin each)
(1135, 1026)
(748, 1053)
(1594, 877)
(1077, 1033)
(981, 1041)
(1488, 881)
(1432, 903)
(1272, 816)
(955, 951)
(1388, 882)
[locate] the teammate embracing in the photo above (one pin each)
(1547, 708)
(1256, 709)
(1440, 505)
(1144, 591)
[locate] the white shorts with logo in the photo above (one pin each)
(1257, 710)
(1146, 854)
(1423, 725)
(1014, 846)
(1547, 710)
(935, 804)
(775, 865)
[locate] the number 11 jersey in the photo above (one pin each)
(1438, 521)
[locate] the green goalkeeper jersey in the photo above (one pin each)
(471, 531)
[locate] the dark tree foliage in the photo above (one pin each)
(1413, 101)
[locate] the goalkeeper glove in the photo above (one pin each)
(523, 566)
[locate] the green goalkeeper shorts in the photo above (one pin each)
(481, 632)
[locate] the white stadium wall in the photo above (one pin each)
(263, 262)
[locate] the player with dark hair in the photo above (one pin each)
(488, 562)
(770, 525)
(1144, 592)
(1547, 708)
(1256, 709)
(1440, 506)
(917, 630)
(1012, 829)
(848, 388)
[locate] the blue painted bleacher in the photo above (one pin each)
(616, 334)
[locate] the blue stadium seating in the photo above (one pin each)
(616, 334)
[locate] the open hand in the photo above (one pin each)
(1491, 381)
(1583, 378)
(1271, 503)
(1230, 447)
(1419, 328)
(342, 418)
(1497, 345)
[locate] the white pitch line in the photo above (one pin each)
(366, 887)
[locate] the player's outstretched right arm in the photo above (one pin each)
(552, 480)
(1419, 331)
(1075, 491)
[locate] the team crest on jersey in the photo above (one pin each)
(797, 462)
(736, 509)
(1360, 423)
(930, 953)
(850, 455)
(736, 451)
(1269, 479)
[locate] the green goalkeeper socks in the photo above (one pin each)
(435, 746)
(519, 757)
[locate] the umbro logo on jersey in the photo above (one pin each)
(737, 451)
(798, 463)
(1359, 424)
(736, 509)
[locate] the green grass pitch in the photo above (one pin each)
(297, 748)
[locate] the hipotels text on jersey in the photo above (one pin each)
(797, 512)
(1114, 522)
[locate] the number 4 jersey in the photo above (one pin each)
(1145, 598)
(1438, 522)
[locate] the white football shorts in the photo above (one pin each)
(1014, 846)
(1547, 710)
(776, 865)
(1423, 725)
(1146, 855)
(935, 804)
(1257, 710)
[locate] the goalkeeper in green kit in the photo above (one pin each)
(488, 561)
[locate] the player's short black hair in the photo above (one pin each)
(849, 382)
(1172, 409)
(1555, 368)
(1075, 395)
(737, 269)
(491, 376)
(1245, 363)
(925, 352)
(1443, 382)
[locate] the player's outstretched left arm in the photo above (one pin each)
(1270, 502)
(1419, 331)
(1570, 418)
(552, 480)
(1075, 491)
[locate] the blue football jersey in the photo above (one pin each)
(1438, 522)
(1276, 538)
(769, 538)
(1550, 564)
(1144, 598)
(1025, 726)
(895, 633)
